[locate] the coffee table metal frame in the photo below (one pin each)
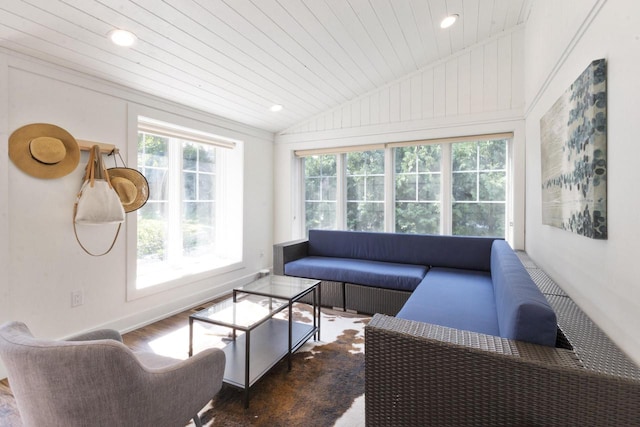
(282, 292)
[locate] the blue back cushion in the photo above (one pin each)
(471, 253)
(523, 312)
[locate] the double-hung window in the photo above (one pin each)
(418, 179)
(345, 191)
(479, 178)
(320, 194)
(365, 190)
(454, 186)
(192, 223)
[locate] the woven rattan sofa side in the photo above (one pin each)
(419, 374)
(287, 252)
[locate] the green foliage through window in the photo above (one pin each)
(365, 190)
(198, 197)
(478, 177)
(418, 179)
(320, 191)
(479, 173)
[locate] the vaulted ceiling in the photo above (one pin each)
(236, 58)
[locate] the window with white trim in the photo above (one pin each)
(365, 190)
(478, 185)
(418, 179)
(454, 186)
(320, 191)
(192, 223)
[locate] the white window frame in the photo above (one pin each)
(236, 199)
(446, 176)
(343, 170)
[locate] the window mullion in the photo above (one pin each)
(222, 226)
(446, 188)
(174, 187)
(508, 197)
(389, 190)
(299, 197)
(477, 173)
(341, 192)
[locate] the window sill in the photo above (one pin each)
(172, 279)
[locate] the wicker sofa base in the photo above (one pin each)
(331, 293)
(371, 300)
(360, 298)
(419, 374)
(424, 374)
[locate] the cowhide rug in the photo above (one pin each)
(325, 386)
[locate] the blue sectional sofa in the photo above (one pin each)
(470, 343)
(469, 283)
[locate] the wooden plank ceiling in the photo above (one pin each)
(236, 58)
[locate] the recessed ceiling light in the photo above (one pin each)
(275, 108)
(449, 21)
(122, 37)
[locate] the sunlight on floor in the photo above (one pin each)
(176, 344)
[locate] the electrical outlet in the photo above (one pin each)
(77, 298)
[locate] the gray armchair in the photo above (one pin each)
(94, 379)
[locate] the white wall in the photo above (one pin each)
(477, 91)
(40, 260)
(4, 192)
(602, 276)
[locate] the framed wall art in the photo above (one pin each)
(573, 136)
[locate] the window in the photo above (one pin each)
(447, 187)
(479, 173)
(192, 222)
(320, 197)
(365, 190)
(418, 180)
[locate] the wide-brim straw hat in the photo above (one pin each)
(132, 187)
(44, 150)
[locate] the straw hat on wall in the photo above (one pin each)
(44, 150)
(132, 187)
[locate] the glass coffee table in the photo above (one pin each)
(266, 340)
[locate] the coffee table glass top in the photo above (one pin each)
(246, 313)
(285, 287)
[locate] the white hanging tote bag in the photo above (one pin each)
(97, 202)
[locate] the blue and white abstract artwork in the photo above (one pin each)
(573, 137)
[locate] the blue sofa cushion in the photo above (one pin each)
(470, 253)
(461, 299)
(523, 312)
(397, 276)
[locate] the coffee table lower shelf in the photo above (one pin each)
(269, 343)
